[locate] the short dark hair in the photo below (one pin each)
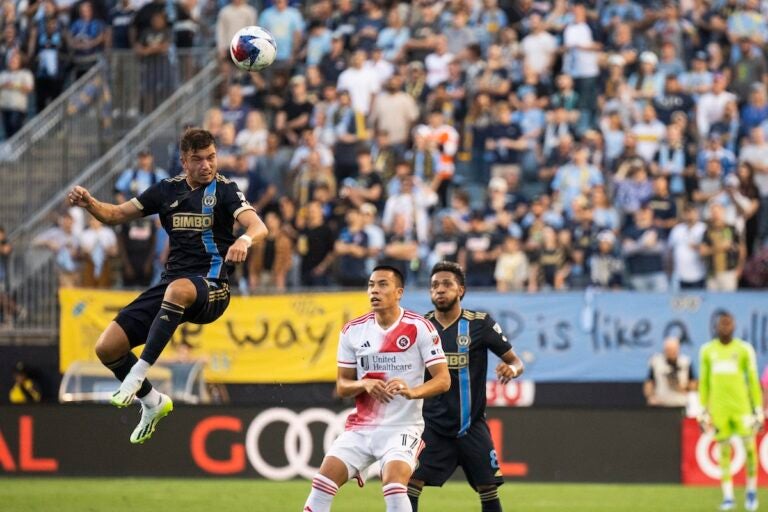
(195, 139)
(452, 267)
(389, 268)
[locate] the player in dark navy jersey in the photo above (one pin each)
(456, 433)
(198, 210)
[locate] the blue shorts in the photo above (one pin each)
(137, 317)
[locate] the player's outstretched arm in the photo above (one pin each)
(510, 367)
(254, 230)
(106, 213)
(348, 385)
(438, 384)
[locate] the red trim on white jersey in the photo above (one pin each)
(357, 321)
(416, 316)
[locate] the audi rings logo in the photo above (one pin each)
(708, 455)
(298, 442)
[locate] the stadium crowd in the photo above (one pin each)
(553, 146)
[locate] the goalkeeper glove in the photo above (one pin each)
(759, 419)
(704, 420)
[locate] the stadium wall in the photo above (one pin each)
(576, 445)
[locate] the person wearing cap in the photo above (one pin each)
(647, 83)
(688, 268)
(606, 268)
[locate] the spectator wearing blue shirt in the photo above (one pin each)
(286, 25)
(351, 249)
(134, 181)
(575, 178)
(120, 20)
(392, 39)
(368, 26)
(86, 38)
(318, 43)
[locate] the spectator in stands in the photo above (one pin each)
(479, 253)
(670, 377)
(351, 251)
(48, 53)
(134, 181)
(688, 268)
(62, 242)
(86, 37)
(747, 201)
(24, 390)
(402, 248)
(606, 268)
(395, 112)
(315, 246)
(252, 139)
(367, 187)
(710, 107)
(120, 21)
(16, 86)
(393, 37)
(663, 206)
(98, 245)
(512, 270)
(643, 247)
(269, 260)
(286, 24)
(376, 235)
(723, 248)
(412, 203)
(235, 15)
(233, 108)
(575, 178)
(152, 45)
(295, 115)
(274, 165)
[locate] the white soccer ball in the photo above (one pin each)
(253, 48)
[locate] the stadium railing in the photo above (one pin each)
(32, 276)
(56, 145)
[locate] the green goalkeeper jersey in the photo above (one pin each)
(728, 378)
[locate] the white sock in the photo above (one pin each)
(396, 498)
(151, 399)
(727, 489)
(140, 369)
(321, 496)
(752, 483)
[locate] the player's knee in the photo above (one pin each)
(181, 292)
(108, 348)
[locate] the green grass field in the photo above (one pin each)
(172, 495)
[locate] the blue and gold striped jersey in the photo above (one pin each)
(466, 343)
(199, 223)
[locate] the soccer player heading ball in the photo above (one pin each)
(197, 210)
(732, 400)
(456, 433)
(382, 357)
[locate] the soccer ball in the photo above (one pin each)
(253, 48)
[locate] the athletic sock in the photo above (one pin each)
(726, 483)
(121, 367)
(413, 496)
(163, 326)
(321, 495)
(396, 498)
(489, 500)
(751, 449)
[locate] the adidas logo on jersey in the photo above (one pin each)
(165, 317)
(174, 204)
(367, 344)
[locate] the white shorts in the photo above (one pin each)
(358, 449)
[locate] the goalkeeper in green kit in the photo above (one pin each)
(730, 394)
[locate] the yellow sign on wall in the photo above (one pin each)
(266, 339)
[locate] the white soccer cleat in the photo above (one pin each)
(150, 417)
(124, 396)
(727, 504)
(751, 503)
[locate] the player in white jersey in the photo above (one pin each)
(382, 357)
